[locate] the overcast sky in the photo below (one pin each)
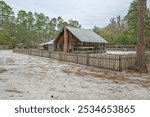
(89, 13)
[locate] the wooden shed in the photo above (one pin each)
(50, 45)
(75, 39)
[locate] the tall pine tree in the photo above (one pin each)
(141, 34)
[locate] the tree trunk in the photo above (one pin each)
(141, 35)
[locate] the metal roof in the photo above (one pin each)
(41, 44)
(50, 42)
(85, 35)
(47, 43)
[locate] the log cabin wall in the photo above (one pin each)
(60, 42)
(72, 41)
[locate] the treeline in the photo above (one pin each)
(29, 28)
(33, 28)
(123, 30)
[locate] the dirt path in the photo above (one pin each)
(31, 77)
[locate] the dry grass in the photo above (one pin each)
(129, 76)
(13, 91)
(3, 70)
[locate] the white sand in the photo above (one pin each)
(31, 77)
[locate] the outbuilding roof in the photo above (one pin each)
(85, 35)
(47, 43)
(41, 44)
(50, 42)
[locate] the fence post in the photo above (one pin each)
(49, 54)
(120, 63)
(41, 53)
(29, 51)
(87, 59)
(77, 58)
(60, 56)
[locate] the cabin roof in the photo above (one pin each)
(85, 35)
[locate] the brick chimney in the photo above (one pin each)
(65, 48)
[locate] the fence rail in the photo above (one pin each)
(106, 61)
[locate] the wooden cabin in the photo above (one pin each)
(79, 40)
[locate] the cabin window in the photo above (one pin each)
(70, 46)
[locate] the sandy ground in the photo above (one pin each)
(120, 52)
(31, 77)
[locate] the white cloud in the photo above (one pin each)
(88, 12)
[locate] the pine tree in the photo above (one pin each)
(141, 34)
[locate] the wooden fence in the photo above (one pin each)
(106, 61)
(4, 47)
(121, 47)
